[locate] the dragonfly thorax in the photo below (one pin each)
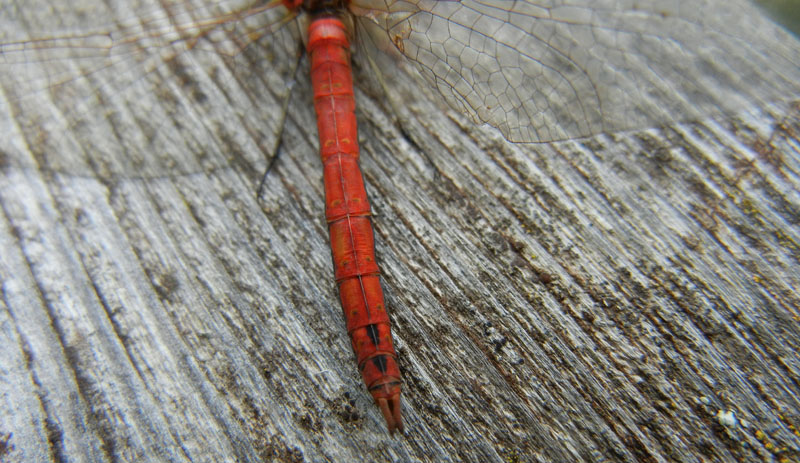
(315, 7)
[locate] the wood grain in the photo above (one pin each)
(628, 297)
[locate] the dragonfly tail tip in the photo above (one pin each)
(391, 413)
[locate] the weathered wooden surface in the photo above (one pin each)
(629, 297)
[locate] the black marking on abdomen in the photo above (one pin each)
(372, 332)
(380, 362)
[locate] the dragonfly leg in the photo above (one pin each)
(398, 114)
(273, 156)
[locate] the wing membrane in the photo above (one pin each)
(70, 73)
(553, 70)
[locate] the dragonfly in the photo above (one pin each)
(537, 71)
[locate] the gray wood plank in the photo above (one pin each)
(626, 297)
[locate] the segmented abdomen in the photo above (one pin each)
(348, 214)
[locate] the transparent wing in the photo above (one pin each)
(559, 69)
(105, 34)
(60, 62)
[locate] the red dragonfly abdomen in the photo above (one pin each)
(348, 215)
